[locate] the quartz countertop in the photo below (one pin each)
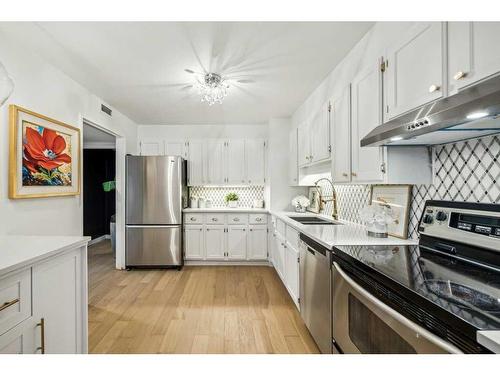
(226, 209)
(346, 233)
(18, 251)
(490, 340)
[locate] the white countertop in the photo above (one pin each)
(227, 209)
(346, 233)
(490, 340)
(17, 251)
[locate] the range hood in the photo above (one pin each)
(473, 112)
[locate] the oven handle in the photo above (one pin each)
(397, 316)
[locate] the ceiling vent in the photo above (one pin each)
(106, 110)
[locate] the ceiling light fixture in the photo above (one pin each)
(397, 138)
(212, 88)
(476, 115)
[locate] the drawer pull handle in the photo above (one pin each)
(459, 75)
(214, 219)
(345, 174)
(6, 305)
(236, 219)
(193, 219)
(258, 219)
(433, 88)
(42, 336)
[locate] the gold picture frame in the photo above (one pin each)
(397, 195)
(36, 170)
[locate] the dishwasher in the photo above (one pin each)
(315, 292)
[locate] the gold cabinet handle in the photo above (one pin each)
(345, 174)
(42, 336)
(459, 75)
(353, 174)
(8, 304)
(433, 88)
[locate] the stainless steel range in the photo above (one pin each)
(435, 297)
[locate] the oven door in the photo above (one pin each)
(363, 324)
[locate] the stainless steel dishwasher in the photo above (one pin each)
(315, 294)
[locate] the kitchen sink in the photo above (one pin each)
(312, 220)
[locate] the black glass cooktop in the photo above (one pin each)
(463, 290)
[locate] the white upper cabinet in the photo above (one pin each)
(176, 148)
(303, 144)
(293, 171)
(255, 161)
(366, 101)
(196, 163)
(151, 147)
(414, 69)
(473, 52)
(215, 157)
(320, 135)
(341, 137)
(235, 161)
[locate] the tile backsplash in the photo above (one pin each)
(463, 171)
(216, 194)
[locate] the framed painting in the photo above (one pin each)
(314, 199)
(397, 198)
(44, 156)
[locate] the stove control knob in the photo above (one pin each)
(441, 216)
(428, 219)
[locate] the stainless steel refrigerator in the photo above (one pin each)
(156, 193)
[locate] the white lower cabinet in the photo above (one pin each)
(193, 242)
(279, 255)
(292, 272)
(215, 242)
(57, 323)
(237, 242)
(257, 242)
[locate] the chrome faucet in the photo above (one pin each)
(333, 198)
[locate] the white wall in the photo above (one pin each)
(370, 48)
(179, 132)
(42, 88)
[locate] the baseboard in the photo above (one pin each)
(99, 239)
(225, 263)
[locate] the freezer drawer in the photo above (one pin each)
(159, 246)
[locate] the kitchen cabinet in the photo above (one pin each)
(151, 147)
(237, 242)
(20, 339)
(176, 148)
(293, 170)
(473, 52)
(341, 137)
(235, 161)
(367, 163)
(303, 144)
(216, 162)
(194, 248)
(320, 135)
(196, 167)
(279, 255)
(255, 161)
(414, 69)
(215, 241)
(292, 272)
(257, 242)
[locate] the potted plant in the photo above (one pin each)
(232, 200)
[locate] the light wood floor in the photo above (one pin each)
(197, 310)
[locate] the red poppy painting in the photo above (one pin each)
(46, 156)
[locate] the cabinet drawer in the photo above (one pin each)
(193, 218)
(15, 299)
(280, 227)
(211, 218)
(292, 237)
(257, 218)
(237, 219)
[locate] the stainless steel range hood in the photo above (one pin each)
(473, 112)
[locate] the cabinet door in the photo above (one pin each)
(196, 163)
(304, 144)
(341, 137)
(473, 52)
(21, 339)
(257, 242)
(366, 103)
(293, 170)
(414, 69)
(255, 160)
(292, 272)
(237, 242)
(215, 162)
(235, 161)
(193, 242)
(57, 298)
(320, 135)
(151, 147)
(175, 148)
(215, 244)
(279, 256)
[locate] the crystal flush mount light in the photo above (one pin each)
(212, 88)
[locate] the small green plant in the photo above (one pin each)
(231, 197)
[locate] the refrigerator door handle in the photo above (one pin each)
(153, 226)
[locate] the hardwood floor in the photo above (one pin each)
(220, 309)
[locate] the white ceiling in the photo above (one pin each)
(139, 67)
